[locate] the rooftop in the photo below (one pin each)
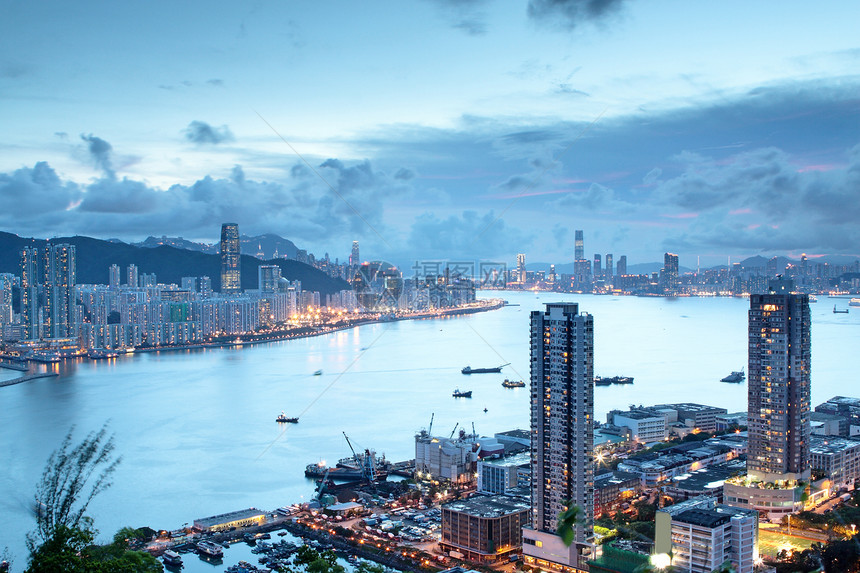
(704, 517)
(518, 434)
(228, 517)
(488, 505)
(831, 444)
(614, 477)
(691, 407)
(708, 478)
(518, 459)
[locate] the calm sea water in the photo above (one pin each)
(197, 429)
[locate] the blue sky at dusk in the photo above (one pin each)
(458, 129)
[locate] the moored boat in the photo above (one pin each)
(172, 559)
(513, 383)
(470, 370)
(462, 393)
(735, 377)
(210, 549)
(837, 311)
(854, 302)
(284, 419)
(606, 380)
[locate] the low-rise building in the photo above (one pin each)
(824, 424)
(698, 416)
(446, 459)
(730, 420)
(484, 528)
(613, 488)
(654, 468)
(705, 481)
(700, 535)
(838, 459)
(498, 476)
(241, 518)
(645, 426)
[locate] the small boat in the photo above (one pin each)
(606, 381)
(318, 373)
(172, 559)
(735, 377)
(283, 419)
(462, 393)
(837, 311)
(470, 370)
(101, 353)
(513, 383)
(209, 549)
(485, 410)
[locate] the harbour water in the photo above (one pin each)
(197, 432)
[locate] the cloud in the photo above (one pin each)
(100, 152)
(202, 133)
(571, 14)
(215, 82)
(481, 236)
(464, 15)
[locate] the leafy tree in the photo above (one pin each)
(645, 511)
(73, 476)
(568, 521)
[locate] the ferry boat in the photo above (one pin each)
(462, 393)
(606, 381)
(735, 377)
(209, 549)
(172, 559)
(513, 383)
(470, 370)
(854, 302)
(283, 419)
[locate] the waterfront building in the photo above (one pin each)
(597, 270)
(726, 421)
(778, 414)
(30, 292)
(562, 435)
(670, 275)
(231, 272)
(499, 476)
(59, 281)
(452, 459)
(579, 246)
(698, 416)
(234, 519)
(113, 277)
(484, 528)
(131, 276)
(607, 273)
(645, 425)
(621, 266)
(700, 535)
(521, 268)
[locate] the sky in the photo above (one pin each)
(457, 130)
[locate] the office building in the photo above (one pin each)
(579, 247)
(607, 273)
(484, 528)
(59, 279)
(670, 273)
(354, 259)
(562, 434)
(521, 268)
(621, 267)
(231, 272)
(837, 459)
(700, 535)
(597, 271)
(778, 412)
(30, 292)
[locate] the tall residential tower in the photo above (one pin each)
(562, 434)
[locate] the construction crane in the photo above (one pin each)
(454, 430)
(430, 429)
(474, 434)
(322, 485)
(368, 471)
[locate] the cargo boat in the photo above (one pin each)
(735, 377)
(513, 383)
(462, 393)
(470, 370)
(606, 381)
(283, 419)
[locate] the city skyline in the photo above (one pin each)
(560, 117)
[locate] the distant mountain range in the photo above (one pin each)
(170, 264)
(266, 247)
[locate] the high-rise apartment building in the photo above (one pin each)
(778, 411)
(30, 292)
(607, 274)
(131, 276)
(598, 267)
(268, 278)
(562, 433)
(113, 277)
(231, 274)
(59, 280)
(780, 359)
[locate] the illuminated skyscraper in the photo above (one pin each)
(60, 278)
(131, 276)
(354, 259)
(608, 272)
(579, 247)
(268, 278)
(562, 434)
(598, 267)
(521, 268)
(30, 292)
(231, 273)
(670, 273)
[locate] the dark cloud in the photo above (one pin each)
(404, 174)
(215, 82)
(14, 70)
(202, 133)
(572, 13)
(464, 15)
(481, 236)
(100, 152)
(37, 193)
